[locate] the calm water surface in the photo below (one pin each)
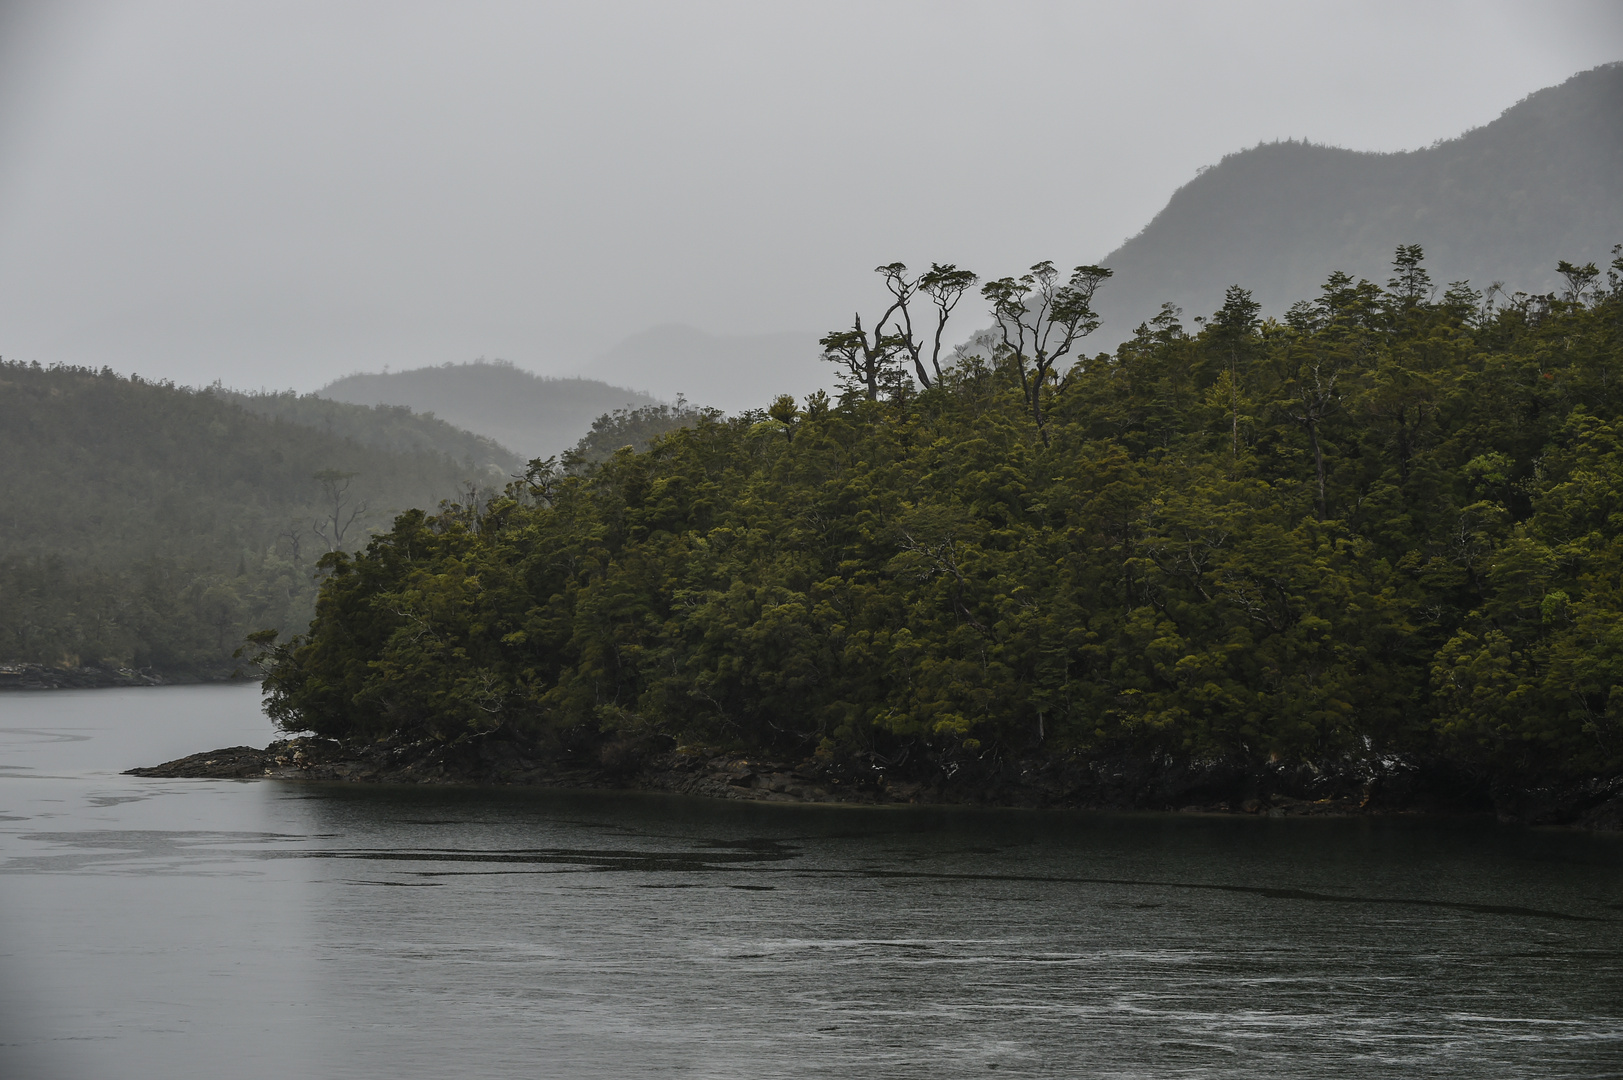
(205, 928)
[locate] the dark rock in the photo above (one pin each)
(234, 762)
(1387, 785)
(91, 677)
(1593, 802)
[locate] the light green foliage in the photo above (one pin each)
(1390, 523)
(633, 427)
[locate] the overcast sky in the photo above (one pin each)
(272, 194)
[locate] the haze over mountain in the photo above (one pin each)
(1503, 202)
(393, 428)
(275, 194)
(154, 525)
(531, 415)
(727, 372)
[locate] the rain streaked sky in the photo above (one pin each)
(273, 194)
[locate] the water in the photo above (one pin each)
(204, 928)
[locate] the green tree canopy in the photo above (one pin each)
(1388, 523)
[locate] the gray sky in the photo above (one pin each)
(273, 194)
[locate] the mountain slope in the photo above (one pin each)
(1502, 202)
(149, 525)
(395, 428)
(528, 414)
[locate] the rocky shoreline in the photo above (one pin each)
(1382, 787)
(91, 677)
(42, 677)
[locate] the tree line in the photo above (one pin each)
(1384, 523)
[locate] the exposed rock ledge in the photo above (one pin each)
(1385, 786)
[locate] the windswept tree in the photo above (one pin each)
(945, 285)
(1580, 281)
(1040, 320)
(872, 360)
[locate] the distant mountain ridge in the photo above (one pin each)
(394, 428)
(151, 525)
(531, 415)
(1502, 202)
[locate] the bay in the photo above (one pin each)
(207, 928)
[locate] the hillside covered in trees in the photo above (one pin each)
(1386, 524)
(637, 429)
(394, 428)
(1503, 202)
(151, 526)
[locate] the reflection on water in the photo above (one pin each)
(208, 928)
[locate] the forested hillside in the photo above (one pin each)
(395, 428)
(1501, 203)
(637, 429)
(529, 415)
(146, 525)
(1385, 524)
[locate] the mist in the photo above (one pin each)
(279, 195)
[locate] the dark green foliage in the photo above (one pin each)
(1388, 525)
(147, 525)
(395, 428)
(636, 428)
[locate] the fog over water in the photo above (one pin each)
(181, 929)
(278, 194)
(274, 195)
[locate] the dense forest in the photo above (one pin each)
(1384, 524)
(395, 428)
(637, 428)
(151, 526)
